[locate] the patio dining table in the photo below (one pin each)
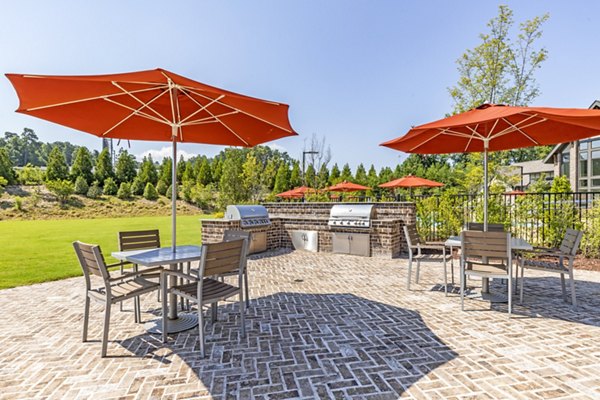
(515, 245)
(159, 257)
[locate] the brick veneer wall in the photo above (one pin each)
(387, 239)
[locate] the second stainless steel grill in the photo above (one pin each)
(250, 216)
(351, 215)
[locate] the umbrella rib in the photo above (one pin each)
(191, 88)
(244, 112)
(445, 131)
(208, 119)
(144, 104)
(202, 107)
(104, 96)
(134, 112)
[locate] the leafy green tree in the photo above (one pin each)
(282, 180)
(148, 173)
(57, 168)
(82, 166)
(231, 179)
(361, 175)
(150, 192)
(310, 176)
(161, 187)
(169, 192)
(269, 174)
(6, 167)
(124, 192)
(190, 173)
(181, 167)
(110, 187)
(104, 168)
(3, 183)
(137, 187)
(216, 169)
(335, 176)
(166, 169)
(295, 175)
(81, 186)
(346, 174)
(95, 191)
(251, 173)
(31, 175)
(561, 184)
(125, 170)
(386, 174)
(62, 189)
(323, 177)
(204, 172)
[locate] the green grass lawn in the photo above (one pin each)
(39, 251)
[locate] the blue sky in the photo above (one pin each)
(355, 72)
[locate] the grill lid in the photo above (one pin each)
(248, 215)
(352, 211)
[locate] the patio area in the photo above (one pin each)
(319, 326)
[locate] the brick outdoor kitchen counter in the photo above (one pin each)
(386, 236)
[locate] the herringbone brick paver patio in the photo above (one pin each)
(320, 326)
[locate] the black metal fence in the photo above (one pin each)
(539, 218)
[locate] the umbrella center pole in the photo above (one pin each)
(486, 144)
(174, 193)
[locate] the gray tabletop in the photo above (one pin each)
(515, 243)
(162, 256)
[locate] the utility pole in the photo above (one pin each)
(304, 153)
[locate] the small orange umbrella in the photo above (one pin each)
(492, 127)
(411, 181)
(346, 186)
(294, 193)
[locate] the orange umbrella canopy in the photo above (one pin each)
(298, 192)
(501, 127)
(346, 186)
(151, 105)
(411, 181)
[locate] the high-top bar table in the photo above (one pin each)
(515, 244)
(164, 256)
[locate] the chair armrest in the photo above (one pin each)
(539, 252)
(136, 274)
(166, 272)
(432, 246)
(118, 264)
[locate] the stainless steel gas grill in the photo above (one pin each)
(254, 219)
(252, 216)
(351, 215)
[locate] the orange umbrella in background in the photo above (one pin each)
(410, 181)
(492, 127)
(346, 186)
(290, 194)
(152, 105)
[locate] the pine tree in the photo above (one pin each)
(251, 173)
(82, 166)
(361, 175)
(104, 168)
(323, 177)
(204, 173)
(372, 178)
(81, 186)
(57, 169)
(282, 180)
(166, 169)
(335, 175)
(346, 174)
(150, 192)
(181, 167)
(295, 178)
(110, 187)
(125, 168)
(190, 173)
(148, 173)
(231, 180)
(310, 176)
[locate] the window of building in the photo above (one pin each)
(564, 163)
(589, 164)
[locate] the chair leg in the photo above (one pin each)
(462, 290)
(409, 273)
(510, 292)
(573, 297)
(418, 270)
(242, 311)
(165, 311)
(138, 311)
(201, 330)
(106, 325)
(213, 311)
(522, 284)
(247, 294)
(563, 287)
(452, 265)
(445, 279)
(86, 317)
(121, 303)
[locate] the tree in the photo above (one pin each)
(104, 168)
(147, 173)
(323, 177)
(82, 166)
(166, 169)
(498, 71)
(110, 187)
(161, 187)
(251, 173)
(95, 191)
(125, 170)
(318, 155)
(81, 186)
(62, 189)
(231, 179)
(361, 175)
(150, 192)
(189, 174)
(334, 177)
(346, 174)
(372, 177)
(282, 180)
(204, 173)
(295, 178)
(124, 192)
(6, 167)
(57, 168)
(31, 175)
(181, 167)
(310, 176)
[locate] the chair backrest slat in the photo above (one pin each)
(412, 235)
(91, 260)
(478, 226)
(231, 234)
(219, 258)
(139, 240)
(479, 244)
(570, 243)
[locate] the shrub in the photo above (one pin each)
(137, 187)
(62, 189)
(3, 183)
(95, 191)
(110, 187)
(150, 192)
(202, 196)
(81, 186)
(36, 197)
(124, 191)
(161, 188)
(170, 191)
(19, 203)
(31, 175)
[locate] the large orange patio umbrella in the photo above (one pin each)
(152, 105)
(346, 186)
(492, 127)
(410, 181)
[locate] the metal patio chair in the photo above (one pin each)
(553, 260)
(217, 258)
(485, 255)
(415, 244)
(115, 290)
